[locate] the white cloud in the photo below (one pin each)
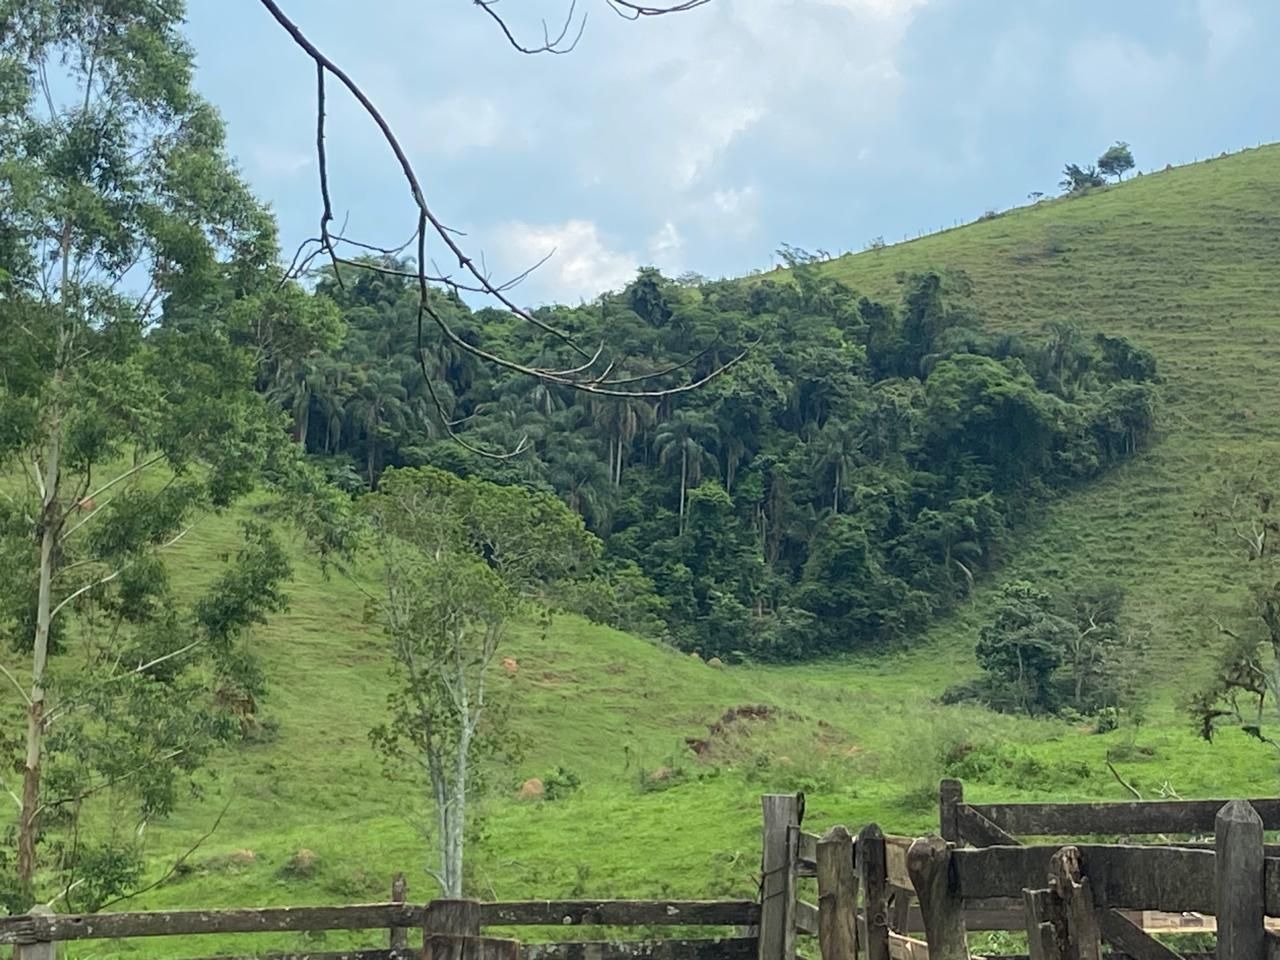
(456, 124)
(665, 245)
(582, 266)
(689, 88)
(1227, 25)
(272, 161)
(1103, 66)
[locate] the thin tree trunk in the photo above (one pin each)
(50, 529)
(29, 821)
(684, 479)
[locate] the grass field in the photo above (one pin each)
(1186, 262)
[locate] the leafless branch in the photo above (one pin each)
(477, 279)
(1123, 782)
(16, 685)
(177, 864)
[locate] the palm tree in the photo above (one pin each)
(688, 437)
(376, 412)
(839, 450)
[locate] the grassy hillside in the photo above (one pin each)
(1183, 262)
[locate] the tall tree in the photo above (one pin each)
(457, 558)
(127, 402)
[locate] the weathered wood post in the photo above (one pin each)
(1062, 920)
(929, 865)
(950, 796)
(777, 940)
(41, 949)
(451, 931)
(872, 878)
(837, 896)
(398, 939)
(1241, 909)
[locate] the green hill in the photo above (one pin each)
(1184, 262)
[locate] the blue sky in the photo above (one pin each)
(702, 141)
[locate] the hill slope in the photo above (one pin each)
(1183, 262)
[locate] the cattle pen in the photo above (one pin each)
(1183, 866)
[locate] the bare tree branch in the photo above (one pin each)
(477, 278)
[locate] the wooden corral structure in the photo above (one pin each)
(1203, 867)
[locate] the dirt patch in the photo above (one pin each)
(729, 724)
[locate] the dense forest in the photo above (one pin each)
(835, 487)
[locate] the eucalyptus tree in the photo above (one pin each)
(127, 410)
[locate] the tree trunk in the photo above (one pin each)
(50, 523)
(684, 479)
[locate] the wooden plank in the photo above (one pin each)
(950, 796)
(167, 923)
(1126, 937)
(318, 955)
(1042, 938)
(837, 896)
(456, 918)
(441, 946)
(1074, 896)
(906, 948)
(1135, 878)
(620, 913)
(741, 948)
(895, 862)
(1241, 905)
(871, 864)
(1140, 816)
(398, 937)
(40, 949)
(928, 862)
(806, 848)
(777, 876)
(806, 918)
(980, 831)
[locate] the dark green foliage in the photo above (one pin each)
(1043, 654)
(1117, 161)
(1077, 180)
(847, 480)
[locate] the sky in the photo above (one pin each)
(703, 141)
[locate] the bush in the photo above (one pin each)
(560, 784)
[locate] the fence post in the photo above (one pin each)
(1062, 922)
(777, 939)
(398, 940)
(451, 930)
(950, 796)
(1237, 843)
(929, 864)
(872, 879)
(40, 950)
(837, 896)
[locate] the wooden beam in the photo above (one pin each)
(782, 815)
(620, 913)
(872, 879)
(718, 949)
(444, 946)
(1241, 907)
(1136, 878)
(950, 796)
(906, 948)
(980, 831)
(1140, 816)
(167, 923)
(837, 896)
(1126, 937)
(929, 862)
(1074, 896)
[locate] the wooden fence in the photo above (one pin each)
(878, 896)
(449, 929)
